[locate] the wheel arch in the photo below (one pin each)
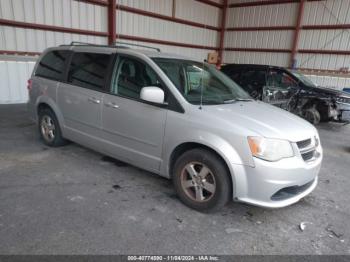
(186, 146)
(46, 102)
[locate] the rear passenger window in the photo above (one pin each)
(52, 65)
(88, 70)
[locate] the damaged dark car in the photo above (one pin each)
(291, 91)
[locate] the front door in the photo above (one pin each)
(133, 128)
(280, 89)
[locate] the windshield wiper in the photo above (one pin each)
(230, 101)
(245, 99)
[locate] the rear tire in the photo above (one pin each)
(201, 180)
(49, 128)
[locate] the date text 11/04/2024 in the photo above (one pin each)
(173, 258)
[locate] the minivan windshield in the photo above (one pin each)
(201, 82)
(302, 78)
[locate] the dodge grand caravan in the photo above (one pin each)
(176, 117)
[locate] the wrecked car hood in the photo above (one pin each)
(330, 92)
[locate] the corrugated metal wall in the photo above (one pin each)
(259, 16)
(14, 76)
(328, 12)
(335, 82)
(79, 15)
(155, 28)
(88, 16)
(65, 13)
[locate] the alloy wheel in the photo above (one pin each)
(198, 182)
(47, 127)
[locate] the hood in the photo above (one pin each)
(330, 92)
(263, 119)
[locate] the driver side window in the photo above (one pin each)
(280, 79)
(130, 76)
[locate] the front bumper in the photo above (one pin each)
(344, 109)
(276, 184)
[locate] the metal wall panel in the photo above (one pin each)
(327, 12)
(259, 39)
(143, 26)
(163, 7)
(197, 54)
(278, 59)
(324, 39)
(268, 15)
(330, 12)
(14, 76)
(80, 15)
(323, 61)
(65, 13)
(19, 39)
(259, 16)
(198, 12)
(335, 82)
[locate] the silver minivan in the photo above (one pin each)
(176, 117)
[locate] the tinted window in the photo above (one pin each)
(131, 76)
(254, 77)
(234, 74)
(52, 65)
(88, 70)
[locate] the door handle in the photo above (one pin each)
(94, 100)
(112, 105)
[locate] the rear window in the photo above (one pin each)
(52, 65)
(88, 70)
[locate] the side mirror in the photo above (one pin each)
(152, 94)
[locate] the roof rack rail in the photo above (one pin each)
(121, 45)
(144, 46)
(75, 43)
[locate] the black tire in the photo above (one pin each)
(312, 115)
(57, 139)
(218, 173)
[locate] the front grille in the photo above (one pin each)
(307, 149)
(304, 143)
(308, 155)
(291, 191)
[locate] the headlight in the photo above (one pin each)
(270, 149)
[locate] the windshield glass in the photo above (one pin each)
(193, 78)
(304, 79)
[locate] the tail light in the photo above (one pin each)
(29, 84)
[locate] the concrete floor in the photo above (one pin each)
(72, 200)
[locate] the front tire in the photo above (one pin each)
(49, 129)
(312, 115)
(201, 180)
